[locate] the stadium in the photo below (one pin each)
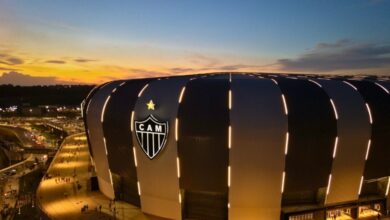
(243, 145)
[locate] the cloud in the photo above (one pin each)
(147, 73)
(237, 67)
(177, 70)
(7, 69)
(342, 55)
(21, 79)
(10, 60)
(82, 60)
(337, 44)
(56, 61)
(202, 60)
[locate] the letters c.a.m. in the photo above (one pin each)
(151, 135)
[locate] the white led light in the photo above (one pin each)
(105, 146)
(329, 181)
(369, 112)
(336, 141)
(181, 94)
(112, 184)
(285, 105)
(135, 157)
(230, 137)
(319, 85)
(176, 129)
(286, 144)
(139, 188)
(350, 85)
(179, 198)
(276, 82)
(104, 109)
(386, 90)
(361, 185)
(230, 99)
(178, 167)
(283, 178)
(88, 104)
(142, 90)
(388, 186)
(132, 121)
(334, 109)
(368, 149)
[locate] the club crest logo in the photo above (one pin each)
(151, 134)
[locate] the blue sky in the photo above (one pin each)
(254, 34)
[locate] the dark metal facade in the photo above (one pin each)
(289, 144)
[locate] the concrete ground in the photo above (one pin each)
(65, 191)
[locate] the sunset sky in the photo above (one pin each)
(50, 42)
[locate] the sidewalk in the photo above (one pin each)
(64, 192)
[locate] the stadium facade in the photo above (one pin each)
(243, 146)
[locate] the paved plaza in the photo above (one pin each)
(64, 193)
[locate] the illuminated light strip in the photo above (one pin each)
(286, 144)
(388, 186)
(142, 90)
(361, 185)
(230, 137)
(81, 109)
(179, 198)
(230, 77)
(88, 104)
(228, 205)
(283, 178)
(112, 184)
(92, 90)
(229, 176)
(105, 146)
(315, 83)
(122, 84)
(131, 121)
(276, 82)
(369, 112)
(178, 167)
(386, 90)
(285, 105)
(329, 181)
(182, 93)
(368, 148)
(135, 157)
(104, 109)
(334, 109)
(139, 188)
(350, 85)
(230, 99)
(176, 129)
(336, 141)
(105, 85)
(114, 90)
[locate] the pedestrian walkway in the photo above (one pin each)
(64, 193)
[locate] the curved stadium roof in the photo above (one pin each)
(242, 146)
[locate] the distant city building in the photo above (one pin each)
(243, 146)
